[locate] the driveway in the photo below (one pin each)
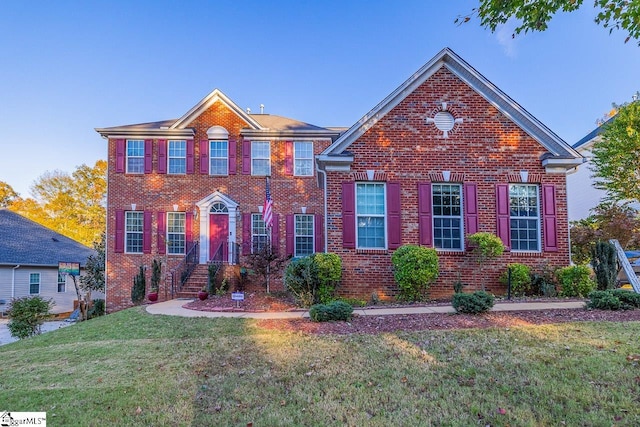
(6, 338)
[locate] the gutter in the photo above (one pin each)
(13, 281)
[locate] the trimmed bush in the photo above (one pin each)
(27, 314)
(603, 300)
(329, 273)
(575, 281)
(629, 299)
(415, 268)
(313, 279)
(334, 311)
(97, 309)
(474, 303)
(520, 278)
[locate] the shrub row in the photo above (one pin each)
(614, 299)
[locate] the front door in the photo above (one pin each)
(219, 236)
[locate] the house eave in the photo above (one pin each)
(562, 165)
(340, 163)
(110, 133)
(267, 133)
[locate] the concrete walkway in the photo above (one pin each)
(175, 308)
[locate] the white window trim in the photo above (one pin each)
(385, 215)
(39, 283)
(295, 158)
(434, 216)
(169, 157)
(253, 157)
(126, 232)
(167, 240)
(296, 235)
(538, 219)
(253, 234)
(63, 282)
(127, 156)
(226, 159)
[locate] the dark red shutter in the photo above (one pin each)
(188, 230)
(549, 218)
(275, 234)
(289, 228)
(204, 157)
(191, 153)
(394, 216)
(119, 237)
(162, 156)
(162, 237)
(425, 228)
(246, 157)
(503, 214)
(148, 155)
(232, 156)
(470, 208)
(349, 215)
(146, 232)
(120, 155)
(288, 157)
(318, 233)
(246, 234)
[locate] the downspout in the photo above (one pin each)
(13, 281)
(325, 210)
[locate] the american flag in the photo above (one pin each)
(267, 211)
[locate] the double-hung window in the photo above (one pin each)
(134, 222)
(62, 283)
(135, 156)
(260, 158)
(218, 157)
(34, 283)
(303, 235)
(177, 157)
(303, 158)
(447, 216)
(176, 236)
(524, 217)
(370, 216)
(259, 236)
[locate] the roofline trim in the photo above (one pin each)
(209, 100)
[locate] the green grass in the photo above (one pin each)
(229, 372)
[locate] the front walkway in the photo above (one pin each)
(175, 308)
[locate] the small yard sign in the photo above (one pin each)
(70, 268)
(237, 296)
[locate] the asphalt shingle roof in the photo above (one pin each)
(25, 242)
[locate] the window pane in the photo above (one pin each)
(177, 157)
(62, 283)
(303, 235)
(370, 199)
(303, 158)
(176, 226)
(525, 219)
(447, 216)
(219, 160)
(133, 228)
(371, 232)
(258, 233)
(135, 156)
(34, 283)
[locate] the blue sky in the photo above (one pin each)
(71, 66)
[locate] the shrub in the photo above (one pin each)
(27, 314)
(484, 247)
(313, 279)
(604, 300)
(474, 303)
(415, 268)
(156, 272)
(212, 271)
(520, 278)
(575, 281)
(334, 311)
(139, 288)
(354, 302)
(97, 309)
(329, 272)
(627, 298)
(605, 264)
(543, 282)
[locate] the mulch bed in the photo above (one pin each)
(257, 302)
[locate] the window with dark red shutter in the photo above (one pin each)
(349, 215)
(424, 214)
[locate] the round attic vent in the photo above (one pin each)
(444, 121)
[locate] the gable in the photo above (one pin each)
(208, 101)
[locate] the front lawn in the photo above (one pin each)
(132, 368)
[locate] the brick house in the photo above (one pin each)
(445, 155)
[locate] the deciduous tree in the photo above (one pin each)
(7, 195)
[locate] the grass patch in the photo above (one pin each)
(132, 368)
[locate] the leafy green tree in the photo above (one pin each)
(535, 15)
(7, 195)
(615, 156)
(27, 314)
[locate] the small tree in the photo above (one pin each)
(266, 261)
(415, 268)
(605, 264)
(485, 247)
(139, 287)
(27, 314)
(93, 279)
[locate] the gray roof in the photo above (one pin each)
(25, 242)
(592, 135)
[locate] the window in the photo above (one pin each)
(135, 156)
(177, 157)
(218, 157)
(62, 283)
(303, 158)
(133, 231)
(260, 158)
(303, 235)
(370, 216)
(259, 237)
(447, 216)
(176, 236)
(34, 283)
(524, 217)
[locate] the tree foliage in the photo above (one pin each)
(615, 156)
(535, 15)
(7, 195)
(27, 314)
(72, 205)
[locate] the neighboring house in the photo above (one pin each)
(445, 155)
(29, 257)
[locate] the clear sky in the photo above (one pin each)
(68, 67)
